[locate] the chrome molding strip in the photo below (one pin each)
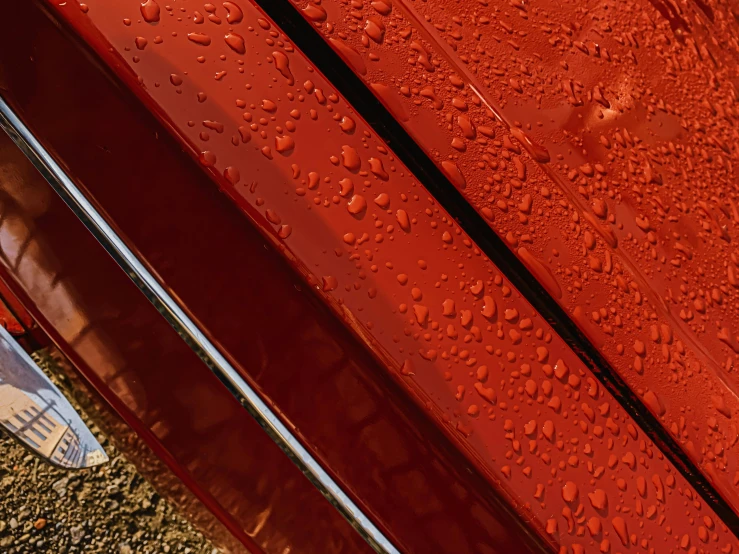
(188, 330)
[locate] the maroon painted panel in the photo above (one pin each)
(145, 371)
(393, 265)
(598, 139)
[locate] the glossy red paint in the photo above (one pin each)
(381, 448)
(385, 257)
(597, 139)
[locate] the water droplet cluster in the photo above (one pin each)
(598, 139)
(372, 242)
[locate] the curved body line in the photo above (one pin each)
(188, 329)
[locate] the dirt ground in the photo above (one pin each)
(107, 510)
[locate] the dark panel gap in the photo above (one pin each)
(307, 39)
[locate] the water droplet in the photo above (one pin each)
(284, 145)
(350, 158)
(347, 187)
(285, 231)
(282, 63)
(315, 13)
(383, 200)
(489, 309)
(232, 175)
(375, 29)
(207, 158)
(598, 499)
(619, 525)
(377, 169)
(150, 11)
(273, 217)
(357, 205)
(536, 151)
(569, 491)
(421, 313)
(403, 220)
(347, 124)
(235, 42)
(329, 283)
(486, 393)
(654, 403)
(199, 38)
(234, 13)
(383, 7)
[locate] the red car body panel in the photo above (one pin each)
(428, 363)
(396, 461)
(141, 367)
(599, 142)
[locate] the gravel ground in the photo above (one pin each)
(106, 510)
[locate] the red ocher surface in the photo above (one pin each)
(598, 139)
(352, 219)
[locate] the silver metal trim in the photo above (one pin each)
(188, 330)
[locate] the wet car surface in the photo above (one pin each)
(615, 199)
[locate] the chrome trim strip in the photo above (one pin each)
(188, 330)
